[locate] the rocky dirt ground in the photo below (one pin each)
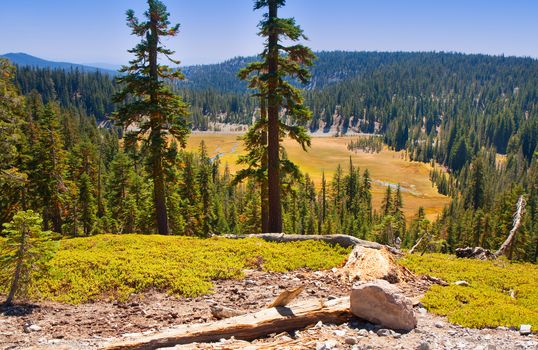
(58, 326)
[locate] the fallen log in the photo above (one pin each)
(246, 327)
(485, 254)
(342, 240)
(286, 297)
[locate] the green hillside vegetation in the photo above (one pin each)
(484, 189)
(113, 266)
(500, 293)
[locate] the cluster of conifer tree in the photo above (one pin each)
(476, 116)
(84, 180)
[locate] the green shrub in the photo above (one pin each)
(115, 266)
(24, 253)
(500, 293)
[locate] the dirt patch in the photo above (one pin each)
(91, 325)
(86, 326)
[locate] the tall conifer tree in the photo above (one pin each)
(279, 62)
(155, 112)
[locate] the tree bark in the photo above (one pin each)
(273, 170)
(159, 191)
(156, 139)
(247, 327)
(264, 183)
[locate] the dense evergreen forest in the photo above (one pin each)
(474, 115)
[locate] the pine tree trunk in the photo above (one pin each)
(264, 183)
(159, 192)
(273, 169)
(100, 207)
(156, 139)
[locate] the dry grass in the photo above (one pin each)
(325, 155)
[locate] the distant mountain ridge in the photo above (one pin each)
(24, 59)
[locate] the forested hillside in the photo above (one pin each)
(476, 115)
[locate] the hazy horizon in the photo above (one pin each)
(213, 31)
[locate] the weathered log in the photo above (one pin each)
(286, 297)
(485, 254)
(474, 253)
(412, 250)
(246, 327)
(520, 209)
(342, 240)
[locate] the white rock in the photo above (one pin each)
(525, 329)
(328, 345)
(382, 303)
(339, 332)
(439, 324)
(363, 333)
(462, 283)
(422, 311)
(32, 328)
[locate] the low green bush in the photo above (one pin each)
(115, 266)
(500, 292)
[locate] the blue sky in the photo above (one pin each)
(213, 30)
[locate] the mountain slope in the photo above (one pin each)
(23, 59)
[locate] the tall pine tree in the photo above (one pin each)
(279, 92)
(155, 112)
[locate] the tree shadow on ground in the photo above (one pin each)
(16, 310)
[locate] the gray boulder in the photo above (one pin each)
(382, 303)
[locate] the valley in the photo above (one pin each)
(386, 167)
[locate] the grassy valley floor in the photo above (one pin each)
(386, 167)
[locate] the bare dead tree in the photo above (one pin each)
(517, 223)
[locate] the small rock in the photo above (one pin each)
(383, 332)
(439, 324)
(462, 283)
(363, 333)
(331, 297)
(491, 347)
(32, 328)
(502, 328)
(423, 346)
(350, 341)
(250, 282)
(525, 329)
(422, 311)
(339, 332)
(328, 345)
(452, 333)
(319, 324)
